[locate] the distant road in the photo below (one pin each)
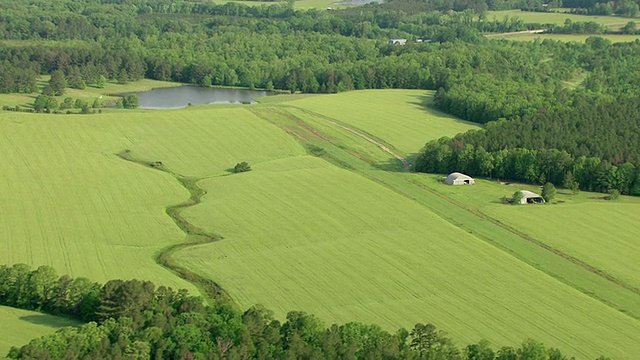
(538, 31)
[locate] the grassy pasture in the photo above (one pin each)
(579, 38)
(89, 94)
(18, 326)
(558, 18)
(69, 202)
(373, 256)
(400, 118)
(300, 233)
(600, 233)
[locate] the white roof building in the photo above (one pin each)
(457, 178)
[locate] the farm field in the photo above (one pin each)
(558, 18)
(300, 221)
(114, 211)
(401, 118)
(375, 245)
(579, 38)
(18, 326)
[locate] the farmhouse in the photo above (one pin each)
(457, 178)
(529, 197)
(397, 41)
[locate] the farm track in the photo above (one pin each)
(383, 147)
(193, 234)
(476, 213)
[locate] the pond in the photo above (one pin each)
(182, 96)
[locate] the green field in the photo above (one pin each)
(334, 235)
(558, 18)
(301, 221)
(579, 38)
(70, 202)
(18, 326)
(401, 118)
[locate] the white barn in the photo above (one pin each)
(529, 197)
(457, 178)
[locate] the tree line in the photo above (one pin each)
(134, 319)
(595, 142)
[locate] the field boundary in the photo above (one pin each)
(193, 234)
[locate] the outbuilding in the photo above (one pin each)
(529, 197)
(457, 178)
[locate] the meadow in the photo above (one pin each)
(558, 18)
(68, 201)
(400, 118)
(300, 221)
(19, 326)
(579, 38)
(334, 234)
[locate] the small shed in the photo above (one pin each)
(457, 178)
(529, 197)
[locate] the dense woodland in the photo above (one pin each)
(136, 320)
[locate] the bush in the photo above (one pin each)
(241, 167)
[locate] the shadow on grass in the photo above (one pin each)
(425, 103)
(47, 320)
(395, 165)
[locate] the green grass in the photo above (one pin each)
(373, 256)
(18, 327)
(402, 118)
(336, 236)
(559, 18)
(70, 202)
(89, 94)
(579, 38)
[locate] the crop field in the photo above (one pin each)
(68, 201)
(18, 326)
(301, 221)
(579, 38)
(608, 243)
(332, 234)
(401, 118)
(559, 18)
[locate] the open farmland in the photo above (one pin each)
(18, 326)
(68, 201)
(558, 18)
(600, 233)
(349, 242)
(579, 38)
(301, 221)
(400, 118)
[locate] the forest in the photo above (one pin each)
(135, 319)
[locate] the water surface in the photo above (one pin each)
(182, 96)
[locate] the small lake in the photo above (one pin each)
(182, 96)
